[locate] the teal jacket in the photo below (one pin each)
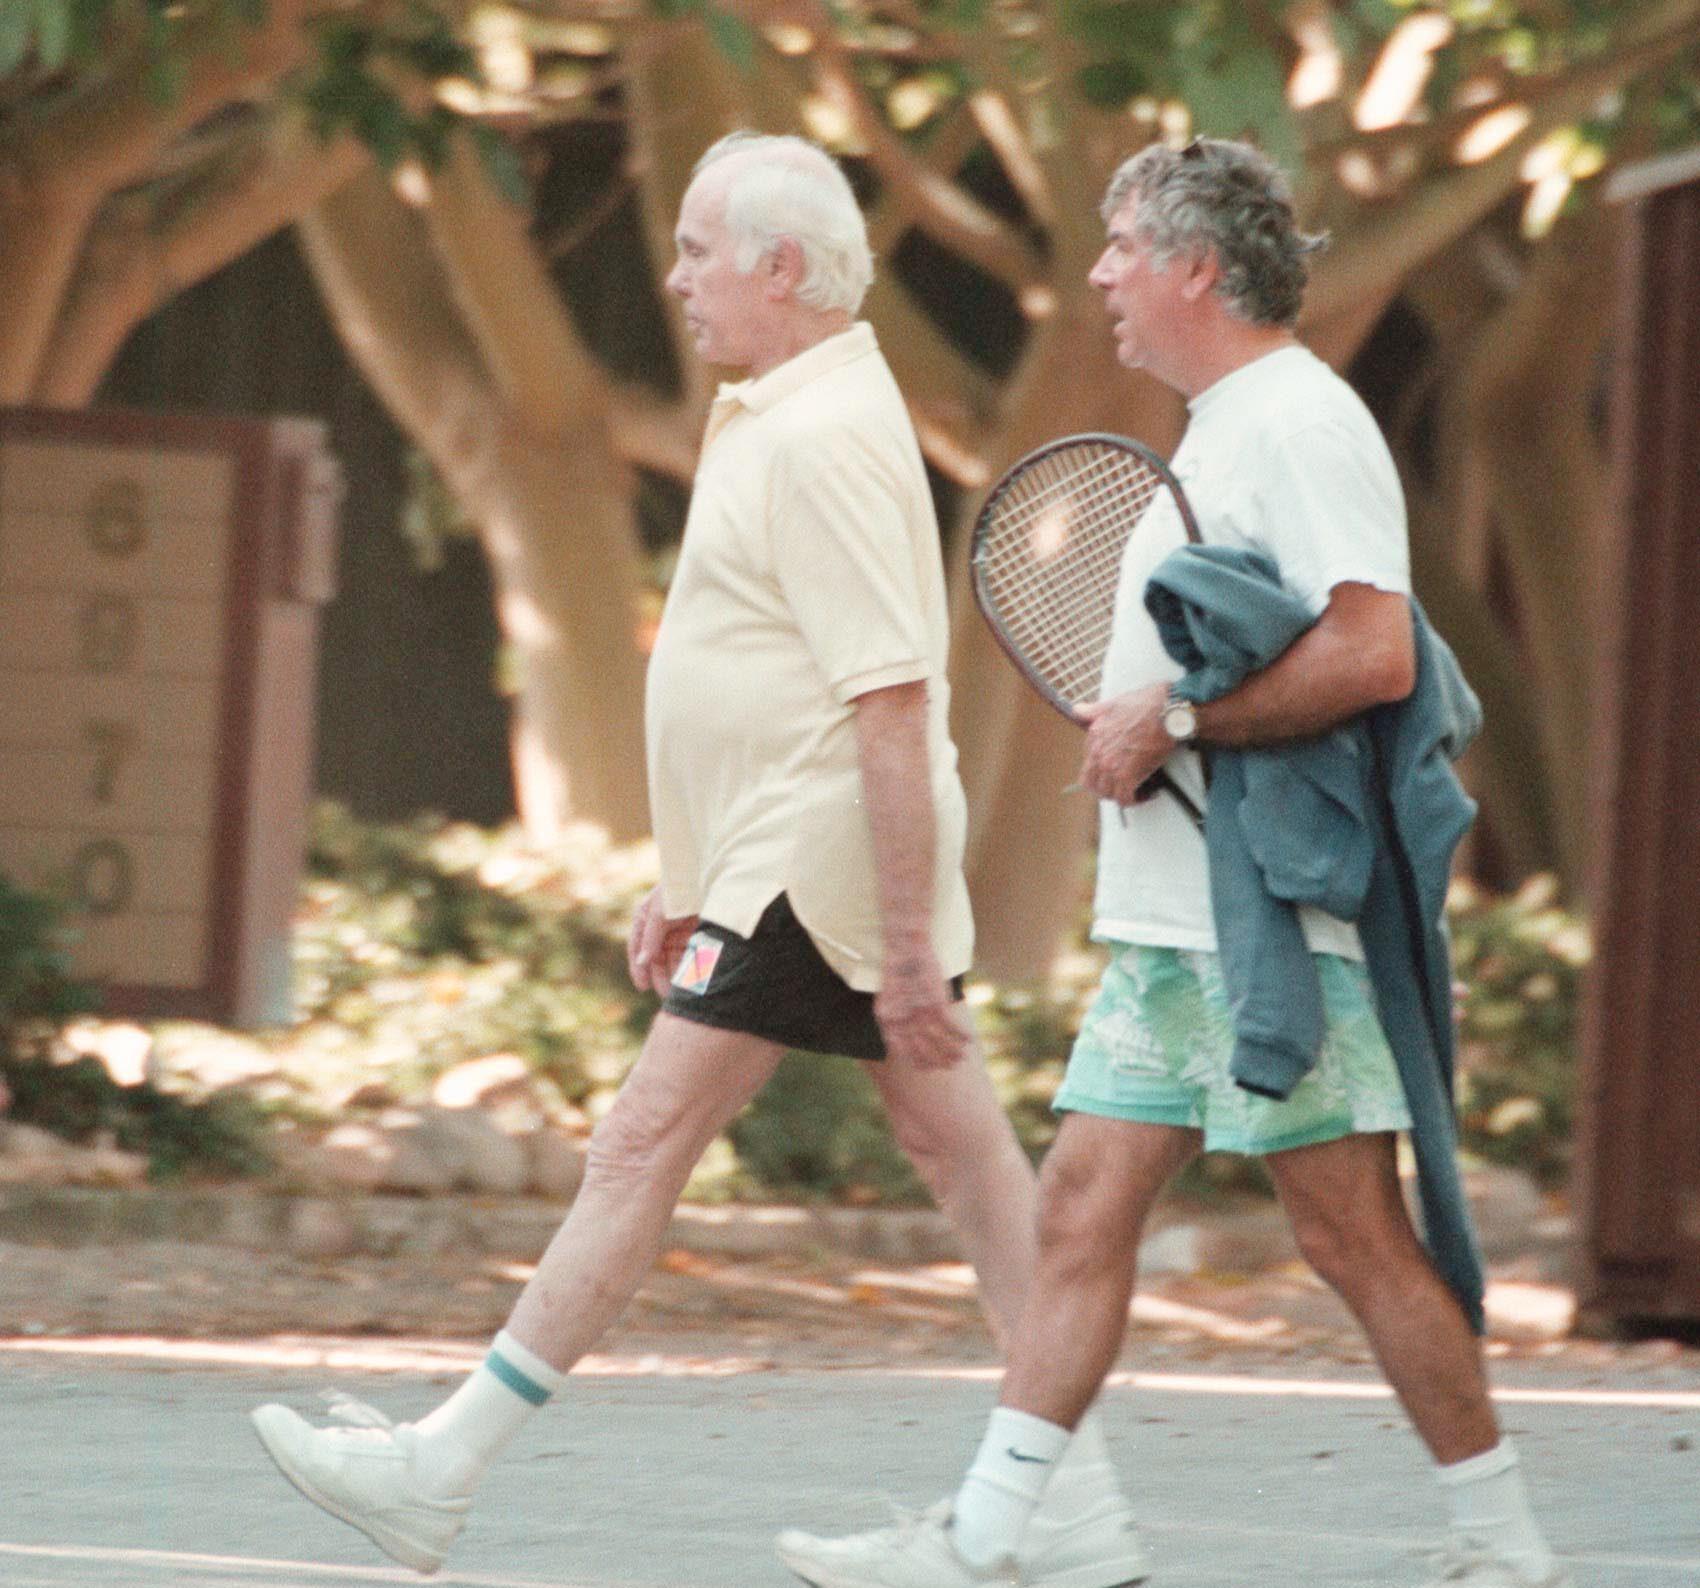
(1361, 822)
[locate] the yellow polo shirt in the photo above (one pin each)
(810, 574)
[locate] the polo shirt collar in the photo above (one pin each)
(795, 373)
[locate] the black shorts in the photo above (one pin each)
(775, 984)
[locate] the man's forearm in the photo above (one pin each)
(891, 743)
(1347, 662)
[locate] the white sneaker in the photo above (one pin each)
(363, 1476)
(1100, 1548)
(1467, 1566)
(917, 1553)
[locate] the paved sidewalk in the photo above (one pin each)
(634, 1479)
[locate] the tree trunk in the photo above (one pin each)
(552, 505)
(1530, 389)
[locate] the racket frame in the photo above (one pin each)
(1159, 779)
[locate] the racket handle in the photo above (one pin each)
(1159, 782)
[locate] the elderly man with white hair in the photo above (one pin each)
(810, 824)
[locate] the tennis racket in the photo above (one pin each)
(1047, 556)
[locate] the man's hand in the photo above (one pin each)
(1126, 743)
(656, 944)
(916, 1014)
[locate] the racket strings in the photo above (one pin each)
(1050, 560)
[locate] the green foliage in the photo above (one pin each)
(36, 984)
(426, 944)
(1522, 960)
(365, 81)
(819, 1128)
(733, 37)
(80, 1101)
(422, 945)
(352, 91)
(49, 30)
(53, 37)
(1234, 87)
(1210, 54)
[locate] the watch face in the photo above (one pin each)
(1180, 721)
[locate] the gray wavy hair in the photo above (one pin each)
(793, 188)
(1225, 198)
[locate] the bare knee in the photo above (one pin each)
(1337, 1249)
(926, 1142)
(1083, 1226)
(1099, 1183)
(1348, 1214)
(1358, 1249)
(639, 1138)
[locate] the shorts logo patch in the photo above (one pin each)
(696, 969)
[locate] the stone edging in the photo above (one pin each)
(320, 1226)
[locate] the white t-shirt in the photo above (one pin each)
(810, 575)
(1281, 456)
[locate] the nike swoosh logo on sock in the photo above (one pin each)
(1020, 1455)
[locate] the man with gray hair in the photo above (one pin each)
(1286, 472)
(810, 825)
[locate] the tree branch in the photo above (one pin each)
(130, 268)
(56, 174)
(932, 201)
(1393, 240)
(509, 302)
(387, 294)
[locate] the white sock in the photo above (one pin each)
(455, 1445)
(1084, 1475)
(1490, 1507)
(1004, 1485)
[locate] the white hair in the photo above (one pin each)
(785, 186)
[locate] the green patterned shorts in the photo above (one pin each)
(1156, 1043)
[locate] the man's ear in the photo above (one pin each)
(783, 269)
(1203, 271)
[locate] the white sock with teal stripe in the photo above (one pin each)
(455, 1445)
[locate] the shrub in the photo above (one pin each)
(419, 946)
(79, 1100)
(818, 1129)
(424, 944)
(1521, 958)
(37, 988)
(76, 1098)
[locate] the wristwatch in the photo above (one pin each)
(1180, 719)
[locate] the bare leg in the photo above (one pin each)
(1352, 1225)
(956, 1133)
(687, 1085)
(1100, 1180)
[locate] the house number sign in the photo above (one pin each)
(160, 579)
